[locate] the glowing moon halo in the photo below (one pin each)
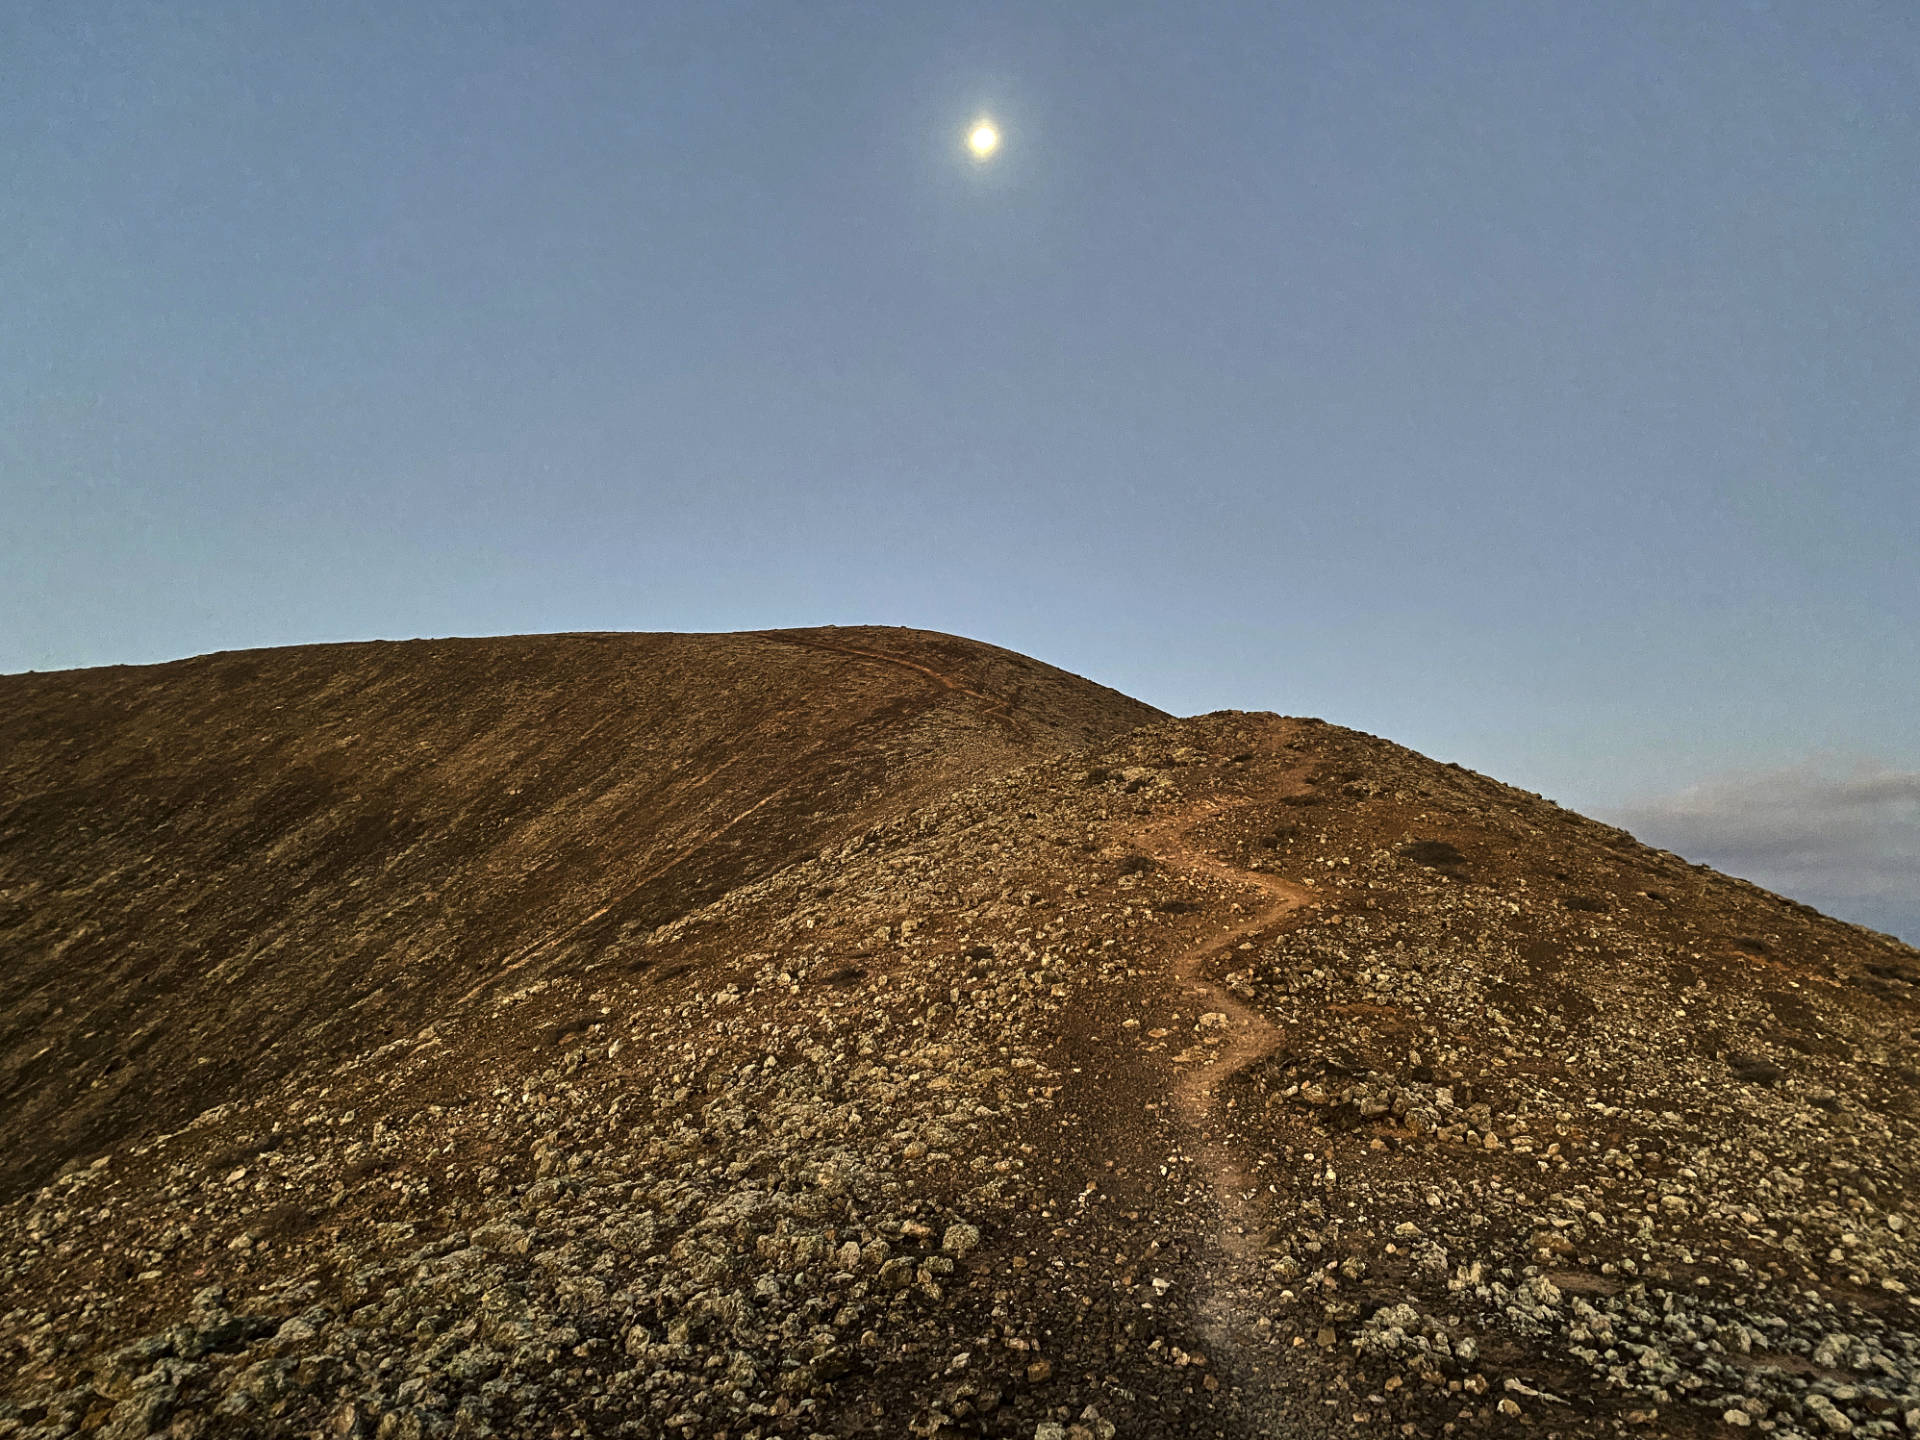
(983, 139)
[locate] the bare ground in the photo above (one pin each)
(870, 1033)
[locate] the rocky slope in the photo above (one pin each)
(1228, 1076)
(217, 871)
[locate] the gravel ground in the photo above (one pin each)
(1247, 1076)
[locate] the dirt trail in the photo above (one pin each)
(1220, 1052)
(995, 703)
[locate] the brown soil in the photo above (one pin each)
(218, 872)
(871, 1032)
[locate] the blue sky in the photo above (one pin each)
(1535, 385)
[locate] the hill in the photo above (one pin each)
(1049, 1068)
(216, 871)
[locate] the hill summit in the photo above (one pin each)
(864, 1031)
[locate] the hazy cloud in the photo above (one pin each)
(1844, 839)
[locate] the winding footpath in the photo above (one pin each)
(1230, 1303)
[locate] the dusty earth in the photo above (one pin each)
(871, 1032)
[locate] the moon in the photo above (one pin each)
(983, 139)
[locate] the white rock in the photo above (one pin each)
(960, 1238)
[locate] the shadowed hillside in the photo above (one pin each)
(735, 1037)
(216, 871)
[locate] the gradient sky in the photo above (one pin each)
(1537, 385)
